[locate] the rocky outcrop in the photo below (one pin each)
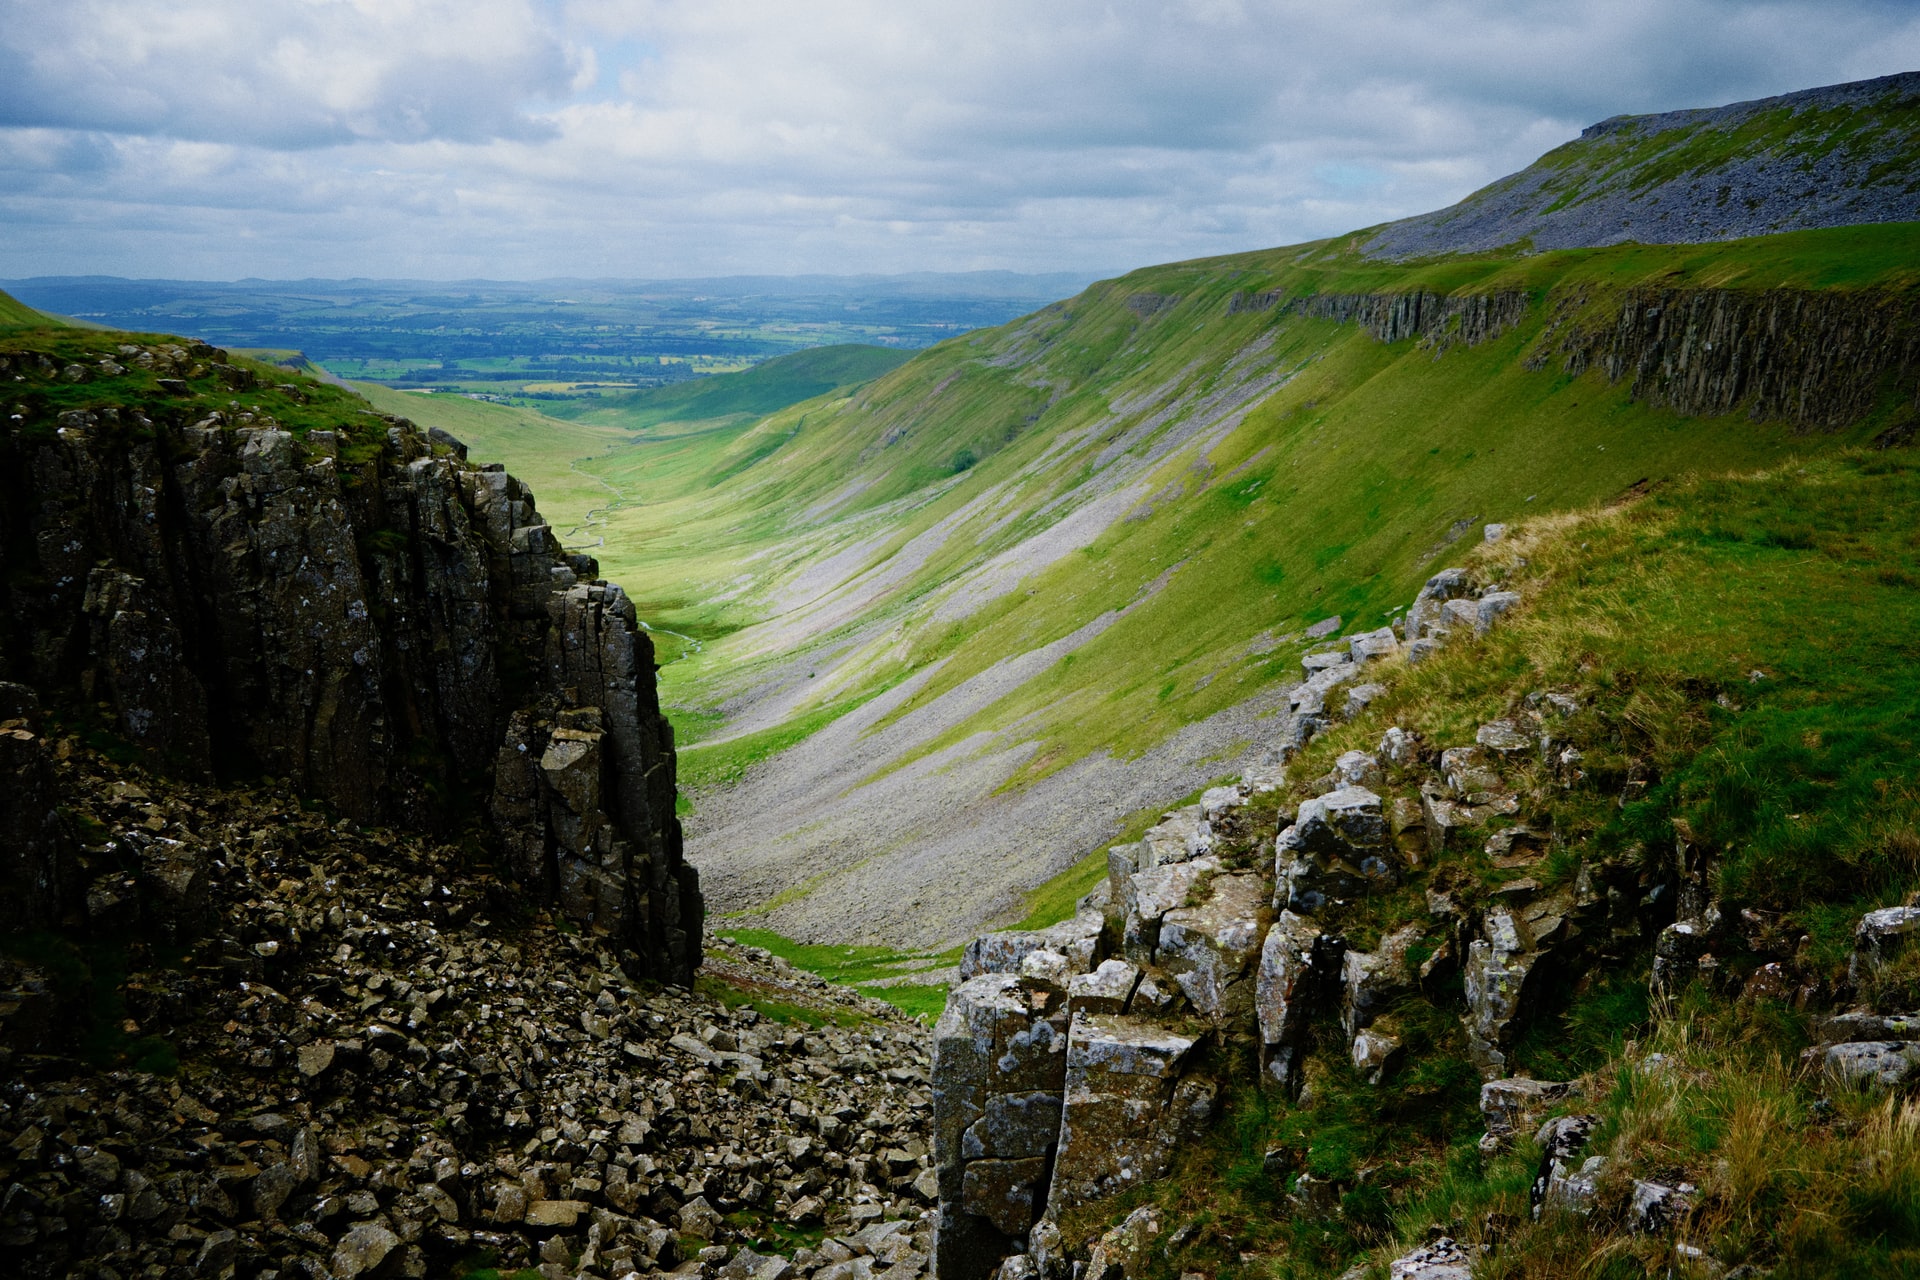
(1044, 1103)
(1063, 1075)
(1815, 358)
(1437, 319)
(1128, 1101)
(1001, 1054)
(354, 609)
(1833, 156)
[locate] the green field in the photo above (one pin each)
(768, 386)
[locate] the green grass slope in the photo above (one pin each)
(1157, 476)
(1741, 648)
(772, 384)
(15, 314)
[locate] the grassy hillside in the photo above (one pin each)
(1057, 545)
(1741, 652)
(15, 314)
(770, 385)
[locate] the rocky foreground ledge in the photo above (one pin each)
(348, 1052)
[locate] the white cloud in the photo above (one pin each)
(297, 73)
(660, 137)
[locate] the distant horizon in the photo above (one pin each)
(865, 276)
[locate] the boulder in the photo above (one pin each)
(1125, 1110)
(1314, 663)
(1879, 937)
(1501, 738)
(1298, 964)
(1491, 606)
(1657, 1208)
(361, 1249)
(1468, 771)
(176, 884)
(1210, 949)
(1860, 1024)
(1020, 1266)
(1360, 697)
(1357, 769)
(1420, 650)
(1337, 848)
(1397, 746)
(1448, 584)
(1048, 1249)
(1125, 1252)
(1677, 955)
(1369, 646)
(1873, 1063)
(1217, 801)
(1572, 1190)
(1443, 1259)
(1561, 1182)
(1374, 1051)
(1106, 990)
(748, 1265)
(1077, 940)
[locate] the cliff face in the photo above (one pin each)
(355, 609)
(1818, 359)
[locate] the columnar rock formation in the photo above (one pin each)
(361, 612)
(1073, 1061)
(1815, 358)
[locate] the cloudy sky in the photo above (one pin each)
(518, 139)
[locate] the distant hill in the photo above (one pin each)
(765, 388)
(1835, 156)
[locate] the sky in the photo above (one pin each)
(528, 139)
